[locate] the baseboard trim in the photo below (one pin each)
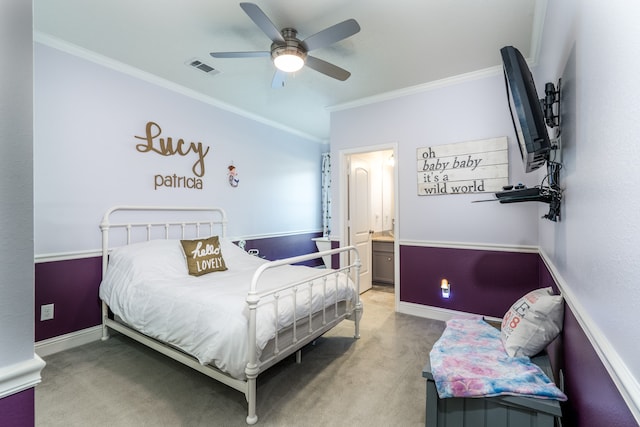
(68, 341)
(20, 376)
(436, 313)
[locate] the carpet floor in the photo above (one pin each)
(374, 381)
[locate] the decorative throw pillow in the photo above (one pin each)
(203, 256)
(532, 323)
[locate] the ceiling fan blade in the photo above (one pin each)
(278, 79)
(327, 68)
(240, 54)
(331, 35)
(261, 20)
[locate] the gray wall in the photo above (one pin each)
(16, 184)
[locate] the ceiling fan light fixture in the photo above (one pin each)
(289, 62)
(290, 55)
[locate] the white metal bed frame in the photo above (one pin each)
(304, 330)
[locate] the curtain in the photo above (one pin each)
(326, 195)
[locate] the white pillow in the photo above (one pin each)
(532, 323)
(237, 259)
(164, 258)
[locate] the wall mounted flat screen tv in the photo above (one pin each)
(526, 110)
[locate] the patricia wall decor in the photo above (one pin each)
(166, 146)
(463, 167)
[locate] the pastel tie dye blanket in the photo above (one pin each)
(469, 360)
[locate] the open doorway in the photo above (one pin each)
(368, 189)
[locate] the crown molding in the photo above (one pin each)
(421, 88)
(80, 52)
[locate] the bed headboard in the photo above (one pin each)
(123, 225)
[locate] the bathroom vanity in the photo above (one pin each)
(383, 259)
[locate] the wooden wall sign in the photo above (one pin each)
(463, 167)
(167, 146)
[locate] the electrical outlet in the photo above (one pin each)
(46, 312)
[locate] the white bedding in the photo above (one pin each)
(148, 286)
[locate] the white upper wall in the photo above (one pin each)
(595, 247)
(87, 117)
(469, 111)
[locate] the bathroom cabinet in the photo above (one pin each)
(383, 262)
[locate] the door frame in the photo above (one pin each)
(343, 167)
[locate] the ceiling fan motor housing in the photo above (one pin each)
(291, 45)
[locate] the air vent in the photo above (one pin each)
(198, 64)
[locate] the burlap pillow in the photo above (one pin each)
(203, 256)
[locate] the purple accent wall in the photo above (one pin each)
(18, 410)
(335, 259)
(72, 286)
(594, 399)
(488, 282)
(482, 282)
(546, 279)
(273, 248)
(555, 350)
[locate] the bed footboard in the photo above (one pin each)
(305, 329)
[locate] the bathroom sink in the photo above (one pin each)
(383, 236)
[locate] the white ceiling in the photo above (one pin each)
(403, 46)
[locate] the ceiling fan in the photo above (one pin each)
(288, 53)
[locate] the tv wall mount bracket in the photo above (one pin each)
(550, 193)
(551, 99)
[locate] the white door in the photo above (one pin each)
(359, 217)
